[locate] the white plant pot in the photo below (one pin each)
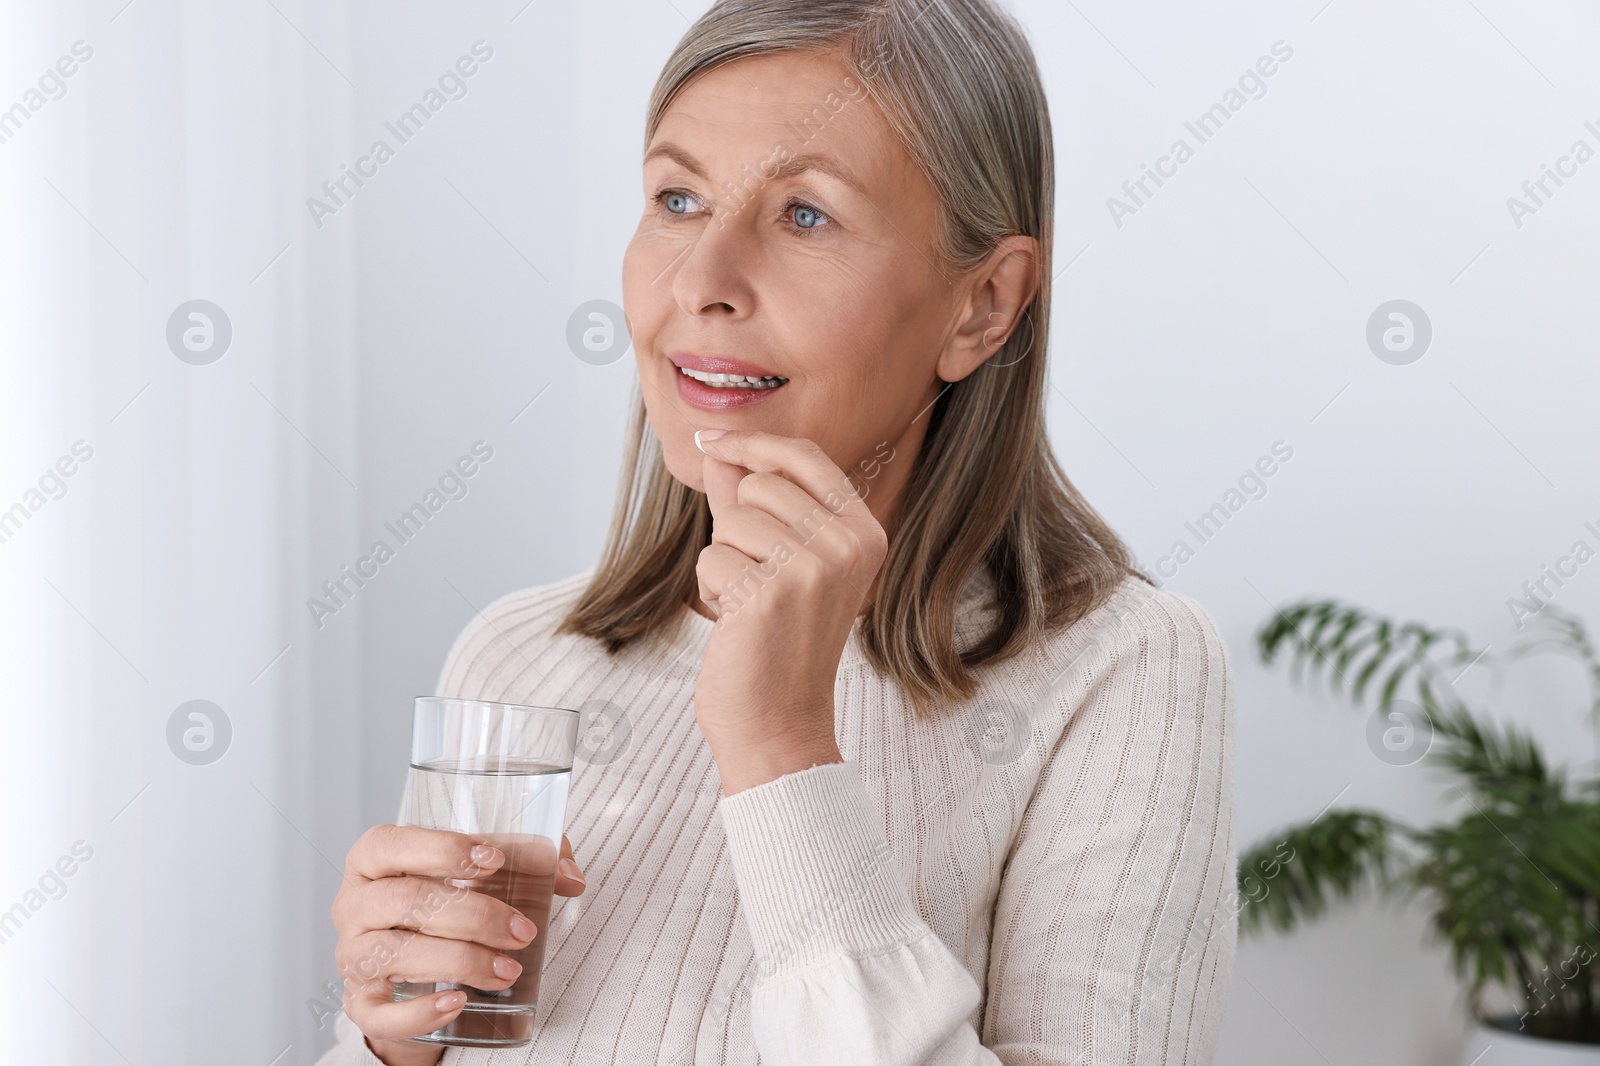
(1489, 1046)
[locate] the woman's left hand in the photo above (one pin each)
(793, 553)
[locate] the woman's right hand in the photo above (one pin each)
(397, 921)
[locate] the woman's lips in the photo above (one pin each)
(717, 364)
(712, 398)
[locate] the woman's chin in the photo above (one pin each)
(686, 469)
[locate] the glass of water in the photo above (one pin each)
(499, 773)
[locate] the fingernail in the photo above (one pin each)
(483, 855)
(570, 868)
(506, 967)
(521, 928)
(449, 1001)
(705, 435)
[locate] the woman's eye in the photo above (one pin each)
(676, 202)
(805, 216)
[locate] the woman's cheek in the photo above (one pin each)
(647, 255)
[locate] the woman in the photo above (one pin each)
(910, 764)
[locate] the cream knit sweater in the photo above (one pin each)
(1042, 876)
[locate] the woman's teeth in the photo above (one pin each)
(733, 381)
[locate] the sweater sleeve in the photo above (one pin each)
(1111, 941)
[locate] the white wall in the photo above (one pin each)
(170, 569)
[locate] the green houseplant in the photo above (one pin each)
(1511, 881)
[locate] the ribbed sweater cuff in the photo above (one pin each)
(359, 1054)
(352, 1049)
(816, 875)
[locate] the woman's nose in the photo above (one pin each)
(714, 274)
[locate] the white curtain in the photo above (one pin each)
(157, 516)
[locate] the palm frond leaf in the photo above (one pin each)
(1294, 875)
(1513, 883)
(1357, 646)
(1513, 891)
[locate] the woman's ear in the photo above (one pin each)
(1001, 290)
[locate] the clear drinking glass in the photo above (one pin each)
(498, 772)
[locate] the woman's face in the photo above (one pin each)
(788, 236)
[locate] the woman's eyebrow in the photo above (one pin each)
(789, 168)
